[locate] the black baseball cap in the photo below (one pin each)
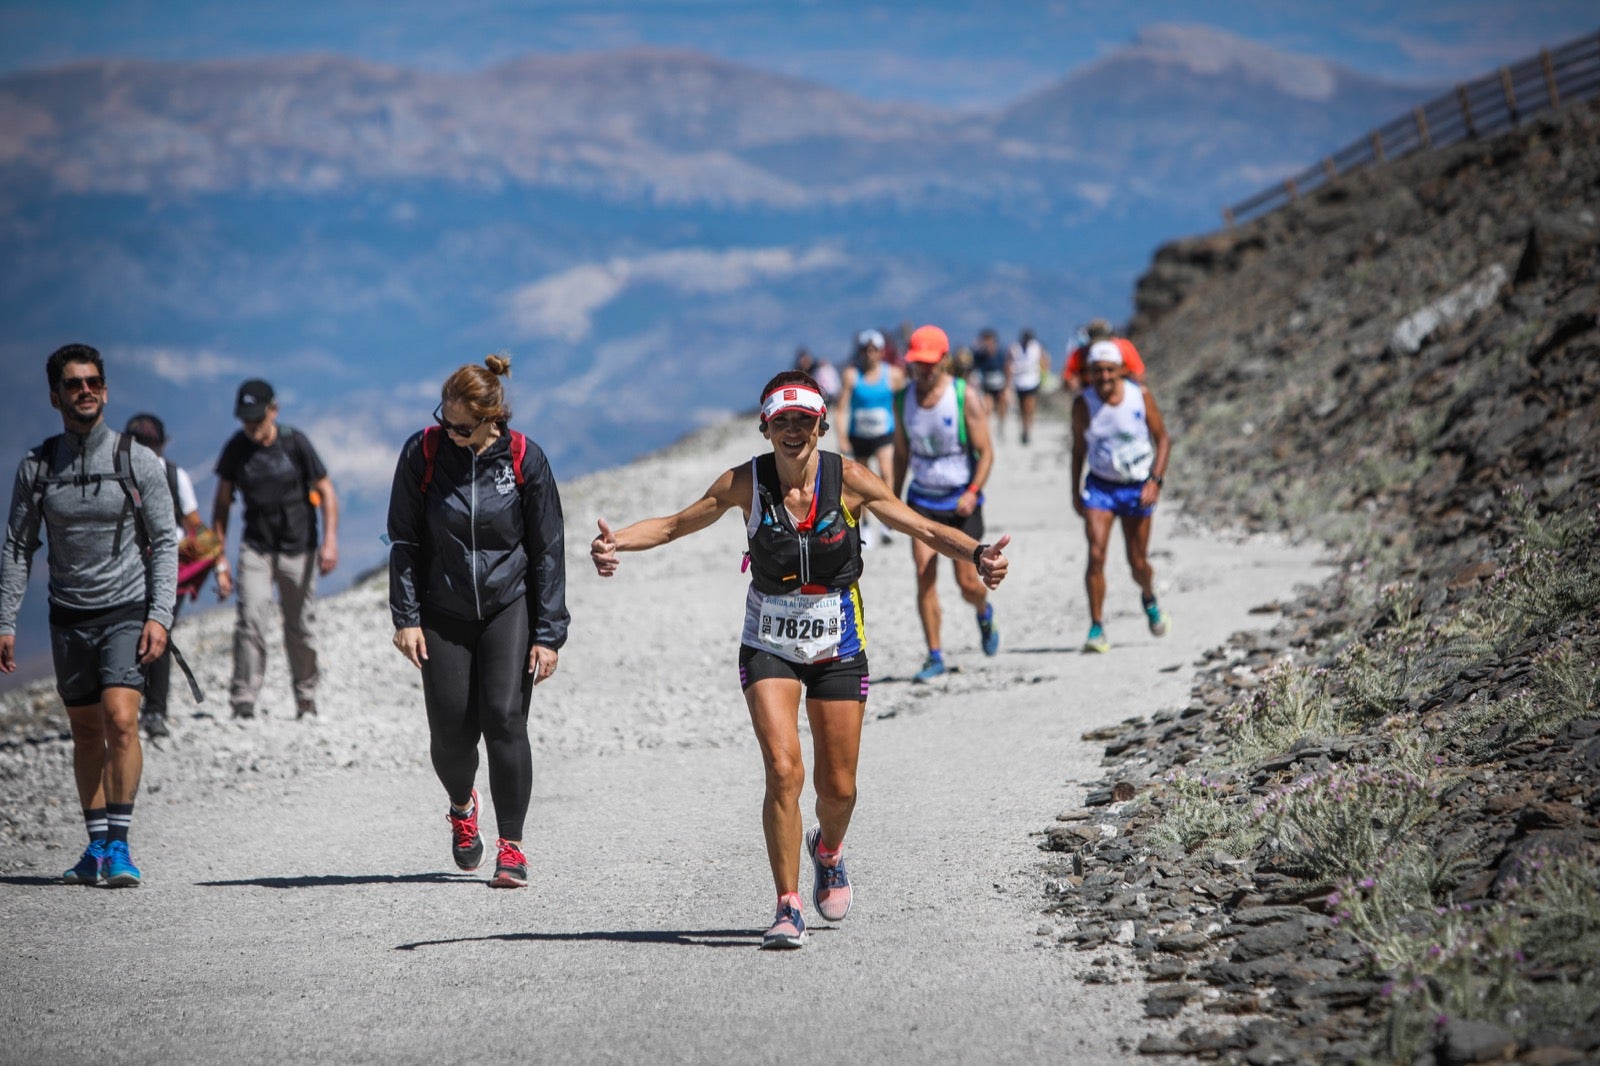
(255, 396)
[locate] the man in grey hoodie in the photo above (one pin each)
(113, 561)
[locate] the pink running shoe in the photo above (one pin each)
(510, 868)
(830, 885)
(465, 843)
(788, 926)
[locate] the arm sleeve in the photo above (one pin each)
(188, 502)
(22, 541)
(544, 540)
(406, 535)
(150, 477)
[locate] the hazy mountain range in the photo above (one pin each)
(649, 233)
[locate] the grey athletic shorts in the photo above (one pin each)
(92, 658)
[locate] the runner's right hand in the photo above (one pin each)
(412, 644)
(8, 653)
(603, 551)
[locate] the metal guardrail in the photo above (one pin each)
(1495, 102)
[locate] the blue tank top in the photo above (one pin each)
(872, 406)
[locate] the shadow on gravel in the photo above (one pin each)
(30, 881)
(340, 880)
(694, 938)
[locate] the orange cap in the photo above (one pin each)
(928, 344)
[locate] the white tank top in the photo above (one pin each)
(939, 461)
(1026, 369)
(1119, 437)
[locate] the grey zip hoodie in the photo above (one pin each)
(85, 520)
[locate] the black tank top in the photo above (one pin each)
(783, 557)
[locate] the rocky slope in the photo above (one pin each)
(1372, 834)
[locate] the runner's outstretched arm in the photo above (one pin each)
(723, 495)
(864, 489)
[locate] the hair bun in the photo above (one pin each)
(499, 365)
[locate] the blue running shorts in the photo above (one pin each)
(1120, 498)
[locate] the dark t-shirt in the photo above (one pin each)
(275, 483)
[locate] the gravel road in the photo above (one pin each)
(300, 904)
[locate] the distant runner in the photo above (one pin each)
(804, 626)
(942, 440)
(992, 368)
(1026, 364)
(1100, 330)
(866, 407)
(1117, 429)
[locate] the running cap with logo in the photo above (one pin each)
(255, 396)
(1098, 329)
(928, 344)
(1105, 352)
(792, 398)
(147, 429)
(869, 338)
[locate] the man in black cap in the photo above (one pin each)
(283, 483)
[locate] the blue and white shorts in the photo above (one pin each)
(1121, 498)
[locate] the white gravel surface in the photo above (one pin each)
(300, 904)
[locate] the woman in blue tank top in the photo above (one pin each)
(803, 630)
(866, 404)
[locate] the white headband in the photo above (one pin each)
(1105, 352)
(793, 398)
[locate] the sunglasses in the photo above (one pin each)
(94, 383)
(452, 428)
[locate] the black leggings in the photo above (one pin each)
(476, 683)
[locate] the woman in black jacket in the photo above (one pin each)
(477, 592)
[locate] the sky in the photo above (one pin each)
(937, 52)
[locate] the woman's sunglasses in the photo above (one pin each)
(452, 428)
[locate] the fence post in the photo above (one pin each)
(1328, 168)
(1511, 95)
(1550, 78)
(1377, 146)
(1466, 111)
(1422, 127)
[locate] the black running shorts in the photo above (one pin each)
(92, 658)
(864, 448)
(971, 525)
(835, 679)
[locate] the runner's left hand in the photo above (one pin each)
(992, 565)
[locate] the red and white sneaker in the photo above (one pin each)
(510, 867)
(465, 844)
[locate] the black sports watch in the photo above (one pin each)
(977, 554)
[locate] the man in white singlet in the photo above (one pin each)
(1118, 432)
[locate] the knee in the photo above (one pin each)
(121, 731)
(1097, 561)
(836, 785)
(786, 776)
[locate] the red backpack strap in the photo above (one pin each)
(519, 448)
(430, 452)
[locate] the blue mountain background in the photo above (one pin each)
(649, 233)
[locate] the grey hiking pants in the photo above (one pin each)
(296, 579)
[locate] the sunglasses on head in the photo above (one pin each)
(93, 383)
(453, 428)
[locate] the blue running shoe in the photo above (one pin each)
(1096, 641)
(119, 868)
(788, 928)
(87, 871)
(932, 667)
(988, 631)
(1157, 619)
(830, 885)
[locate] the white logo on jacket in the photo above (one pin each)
(505, 479)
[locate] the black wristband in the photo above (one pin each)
(977, 553)
(1157, 479)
